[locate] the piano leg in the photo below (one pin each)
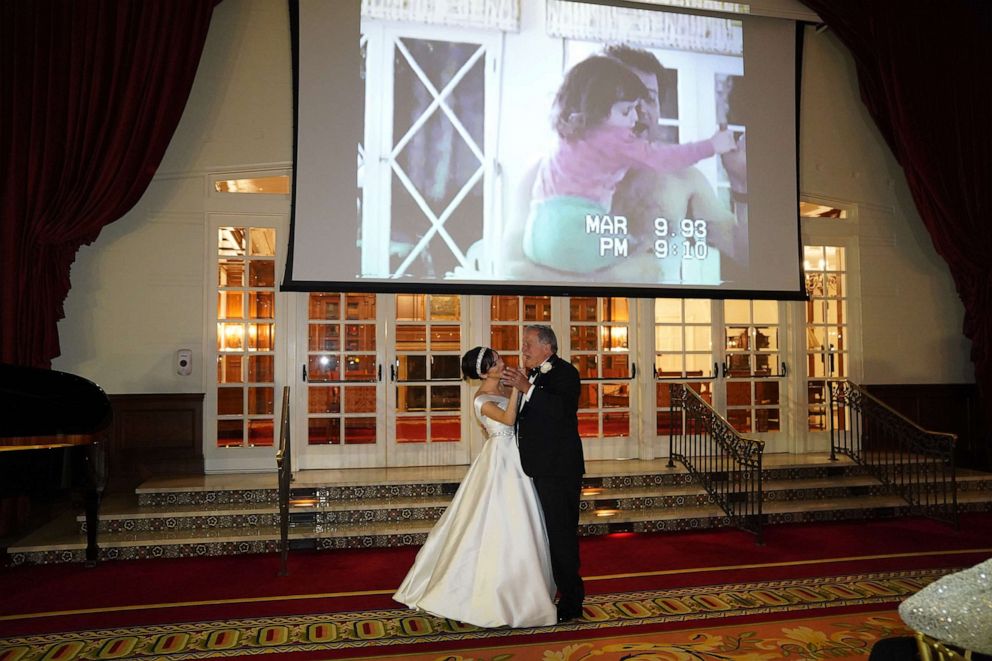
(91, 497)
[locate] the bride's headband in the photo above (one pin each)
(478, 360)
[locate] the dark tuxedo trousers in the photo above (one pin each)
(551, 453)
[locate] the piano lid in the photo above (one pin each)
(39, 402)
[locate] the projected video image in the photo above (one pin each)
(612, 169)
(555, 143)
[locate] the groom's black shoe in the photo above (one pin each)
(568, 612)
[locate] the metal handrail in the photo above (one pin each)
(727, 465)
(914, 462)
(284, 464)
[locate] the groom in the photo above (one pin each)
(551, 453)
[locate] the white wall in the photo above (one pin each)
(911, 314)
(138, 292)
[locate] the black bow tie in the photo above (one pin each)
(534, 371)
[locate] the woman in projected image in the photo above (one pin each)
(597, 116)
(486, 562)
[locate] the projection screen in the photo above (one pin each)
(543, 146)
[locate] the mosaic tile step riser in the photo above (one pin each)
(193, 548)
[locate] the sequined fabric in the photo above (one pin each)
(955, 609)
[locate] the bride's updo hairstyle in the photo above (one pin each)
(476, 362)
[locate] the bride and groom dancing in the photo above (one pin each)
(509, 539)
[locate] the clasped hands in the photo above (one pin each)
(515, 377)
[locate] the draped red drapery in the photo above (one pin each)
(90, 95)
(925, 71)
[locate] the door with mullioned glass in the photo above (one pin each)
(752, 392)
(341, 365)
(427, 164)
(827, 343)
(428, 410)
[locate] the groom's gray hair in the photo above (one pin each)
(545, 335)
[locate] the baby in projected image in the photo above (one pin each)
(597, 115)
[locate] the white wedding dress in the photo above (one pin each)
(486, 560)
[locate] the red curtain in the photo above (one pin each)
(925, 70)
(90, 95)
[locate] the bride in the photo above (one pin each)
(486, 560)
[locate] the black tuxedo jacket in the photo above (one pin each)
(548, 425)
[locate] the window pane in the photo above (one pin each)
(261, 337)
(229, 369)
(261, 305)
(359, 431)
(359, 368)
(588, 366)
(412, 368)
(740, 419)
(738, 393)
(262, 241)
(667, 311)
(766, 392)
(537, 309)
(445, 338)
(260, 433)
(230, 433)
(616, 395)
(668, 338)
(359, 307)
(410, 337)
(503, 308)
(766, 338)
(616, 366)
(588, 396)
(669, 365)
(697, 311)
(446, 429)
(738, 338)
(446, 367)
(737, 312)
(504, 338)
(445, 398)
(411, 398)
(230, 305)
(324, 431)
(325, 306)
(359, 337)
(616, 309)
(261, 369)
(616, 424)
(261, 273)
(230, 241)
(411, 430)
(359, 399)
(583, 338)
(698, 365)
(324, 399)
(582, 309)
(766, 420)
(698, 338)
(445, 308)
(324, 337)
(323, 368)
(411, 307)
(614, 338)
(232, 273)
(260, 400)
(230, 401)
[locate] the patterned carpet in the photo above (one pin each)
(801, 618)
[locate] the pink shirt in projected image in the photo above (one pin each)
(591, 167)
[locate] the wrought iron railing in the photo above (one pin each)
(284, 464)
(726, 464)
(915, 463)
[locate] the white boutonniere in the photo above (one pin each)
(545, 368)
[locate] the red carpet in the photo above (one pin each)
(133, 593)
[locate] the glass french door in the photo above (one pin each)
(595, 334)
(341, 381)
(731, 353)
(827, 343)
(753, 390)
(382, 381)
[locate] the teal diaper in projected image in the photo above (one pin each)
(555, 235)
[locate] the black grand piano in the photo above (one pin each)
(51, 438)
